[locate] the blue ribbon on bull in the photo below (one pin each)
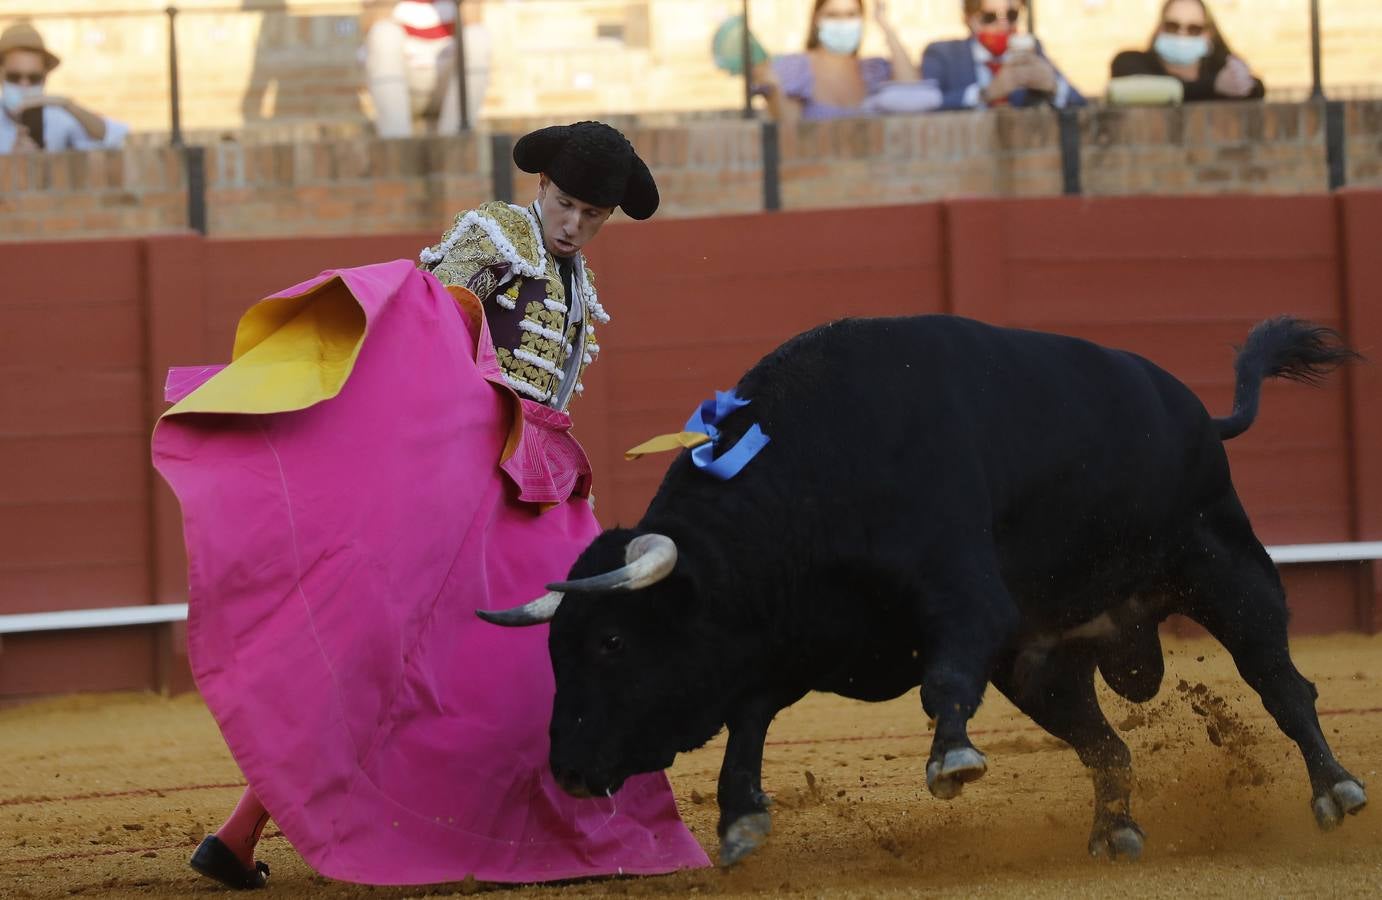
(709, 414)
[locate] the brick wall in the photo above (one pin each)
(367, 186)
(1257, 148)
(261, 63)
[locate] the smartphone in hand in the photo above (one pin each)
(1022, 43)
(32, 120)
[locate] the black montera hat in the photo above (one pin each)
(593, 163)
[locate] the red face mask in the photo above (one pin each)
(995, 42)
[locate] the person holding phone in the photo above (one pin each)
(1188, 45)
(31, 119)
(996, 65)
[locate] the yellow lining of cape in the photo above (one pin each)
(290, 353)
(294, 352)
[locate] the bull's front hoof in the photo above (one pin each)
(1346, 797)
(744, 836)
(947, 776)
(1120, 840)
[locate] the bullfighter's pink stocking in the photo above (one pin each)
(242, 830)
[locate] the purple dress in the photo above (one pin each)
(798, 82)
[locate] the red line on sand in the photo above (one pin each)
(846, 739)
(88, 854)
(113, 851)
(132, 792)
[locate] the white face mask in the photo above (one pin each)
(12, 96)
(840, 35)
(1181, 49)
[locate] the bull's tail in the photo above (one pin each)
(1284, 347)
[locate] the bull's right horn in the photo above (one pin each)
(648, 559)
(534, 612)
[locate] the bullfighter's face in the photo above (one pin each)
(568, 223)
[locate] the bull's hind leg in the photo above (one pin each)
(1235, 593)
(1058, 694)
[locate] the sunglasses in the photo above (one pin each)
(989, 18)
(1182, 28)
(24, 77)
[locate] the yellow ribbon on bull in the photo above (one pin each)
(681, 440)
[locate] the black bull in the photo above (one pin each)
(946, 504)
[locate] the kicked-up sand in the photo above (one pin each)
(108, 795)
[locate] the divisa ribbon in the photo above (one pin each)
(700, 437)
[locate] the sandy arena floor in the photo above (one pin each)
(107, 796)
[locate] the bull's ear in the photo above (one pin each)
(534, 612)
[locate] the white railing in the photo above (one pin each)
(110, 617)
(1319, 553)
(153, 614)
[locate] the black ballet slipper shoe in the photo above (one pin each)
(215, 860)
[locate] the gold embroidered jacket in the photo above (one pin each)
(544, 339)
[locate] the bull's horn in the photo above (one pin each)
(534, 612)
(648, 559)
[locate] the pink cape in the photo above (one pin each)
(337, 551)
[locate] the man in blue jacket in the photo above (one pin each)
(995, 65)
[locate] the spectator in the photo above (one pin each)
(829, 80)
(984, 70)
(33, 120)
(410, 65)
(1188, 45)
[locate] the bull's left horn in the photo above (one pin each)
(648, 559)
(534, 612)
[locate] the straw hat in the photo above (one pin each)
(23, 36)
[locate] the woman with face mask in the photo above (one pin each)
(1188, 45)
(830, 80)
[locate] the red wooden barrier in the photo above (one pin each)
(695, 303)
(87, 330)
(1361, 217)
(1181, 281)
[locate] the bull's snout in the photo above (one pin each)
(580, 784)
(571, 782)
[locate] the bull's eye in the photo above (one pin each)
(612, 645)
